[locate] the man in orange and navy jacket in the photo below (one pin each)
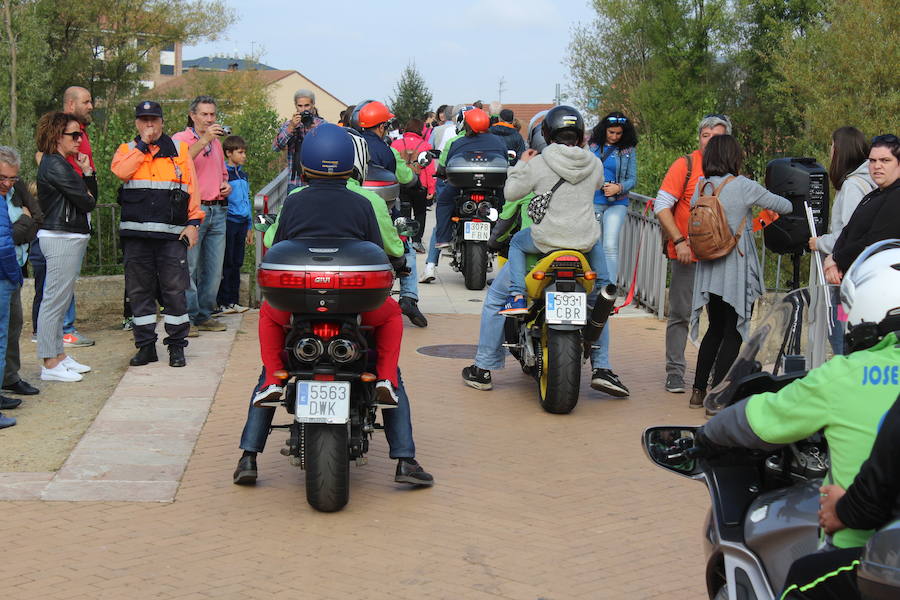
(160, 217)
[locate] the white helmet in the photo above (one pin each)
(360, 155)
(870, 293)
(461, 117)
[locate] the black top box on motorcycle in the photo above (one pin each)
(798, 180)
(382, 182)
(477, 169)
(325, 276)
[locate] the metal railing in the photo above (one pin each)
(640, 241)
(268, 200)
(104, 256)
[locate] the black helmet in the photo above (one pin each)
(560, 119)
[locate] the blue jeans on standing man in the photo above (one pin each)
(397, 424)
(205, 263)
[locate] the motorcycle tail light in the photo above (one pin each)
(477, 197)
(326, 330)
(281, 279)
(367, 280)
(565, 273)
(567, 258)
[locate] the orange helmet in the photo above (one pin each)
(477, 120)
(374, 114)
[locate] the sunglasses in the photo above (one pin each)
(616, 119)
(888, 138)
(718, 116)
(9, 179)
(76, 135)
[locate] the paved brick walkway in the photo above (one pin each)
(527, 505)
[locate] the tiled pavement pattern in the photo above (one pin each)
(527, 505)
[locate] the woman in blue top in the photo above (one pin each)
(613, 141)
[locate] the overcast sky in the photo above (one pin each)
(462, 56)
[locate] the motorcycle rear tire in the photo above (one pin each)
(560, 378)
(475, 261)
(327, 456)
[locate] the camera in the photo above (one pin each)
(306, 118)
(226, 130)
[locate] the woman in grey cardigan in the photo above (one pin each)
(728, 286)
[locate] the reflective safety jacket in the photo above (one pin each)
(159, 194)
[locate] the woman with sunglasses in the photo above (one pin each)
(66, 198)
(613, 141)
(878, 215)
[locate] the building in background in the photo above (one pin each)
(280, 84)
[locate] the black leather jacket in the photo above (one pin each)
(64, 196)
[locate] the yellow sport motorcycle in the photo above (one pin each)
(554, 338)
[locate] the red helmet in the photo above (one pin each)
(477, 120)
(374, 114)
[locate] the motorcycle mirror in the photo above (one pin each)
(493, 215)
(424, 159)
(667, 446)
(511, 155)
(406, 227)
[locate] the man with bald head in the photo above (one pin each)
(77, 101)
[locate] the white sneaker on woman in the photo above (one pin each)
(73, 365)
(59, 373)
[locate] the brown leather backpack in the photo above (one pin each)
(708, 229)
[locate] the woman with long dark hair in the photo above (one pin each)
(65, 199)
(613, 141)
(727, 286)
(849, 174)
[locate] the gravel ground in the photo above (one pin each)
(52, 422)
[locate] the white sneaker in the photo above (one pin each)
(238, 308)
(269, 396)
(73, 365)
(428, 275)
(227, 309)
(384, 395)
(59, 373)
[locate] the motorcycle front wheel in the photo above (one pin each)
(560, 377)
(475, 265)
(327, 458)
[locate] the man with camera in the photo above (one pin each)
(292, 132)
(161, 214)
(205, 259)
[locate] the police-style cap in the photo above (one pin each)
(148, 108)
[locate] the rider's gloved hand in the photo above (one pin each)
(704, 447)
(399, 265)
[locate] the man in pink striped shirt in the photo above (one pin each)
(206, 257)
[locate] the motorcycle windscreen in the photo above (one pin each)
(790, 333)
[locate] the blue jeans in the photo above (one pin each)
(446, 202)
(397, 424)
(409, 284)
(7, 289)
(39, 266)
(611, 219)
(434, 253)
(522, 245)
(491, 354)
(205, 264)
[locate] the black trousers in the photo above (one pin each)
(418, 208)
(823, 576)
(720, 345)
(151, 265)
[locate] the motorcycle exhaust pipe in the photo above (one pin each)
(603, 306)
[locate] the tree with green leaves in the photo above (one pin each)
(411, 99)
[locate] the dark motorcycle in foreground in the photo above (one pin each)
(764, 505)
(479, 177)
(330, 389)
